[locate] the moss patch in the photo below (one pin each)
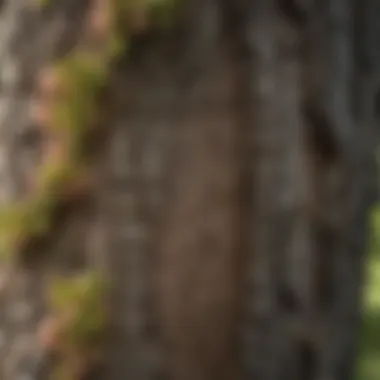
(66, 105)
(78, 324)
(368, 364)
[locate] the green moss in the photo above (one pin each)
(22, 221)
(82, 297)
(53, 175)
(13, 228)
(162, 12)
(78, 302)
(368, 365)
(38, 215)
(44, 3)
(82, 76)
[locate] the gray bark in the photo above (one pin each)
(233, 189)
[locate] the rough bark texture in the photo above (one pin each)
(234, 185)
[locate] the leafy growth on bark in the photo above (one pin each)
(65, 108)
(76, 328)
(66, 102)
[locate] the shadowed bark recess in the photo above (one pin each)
(233, 188)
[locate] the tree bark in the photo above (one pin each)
(233, 187)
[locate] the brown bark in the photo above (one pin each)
(233, 188)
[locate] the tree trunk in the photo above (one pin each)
(232, 189)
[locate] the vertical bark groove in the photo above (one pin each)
(233, 194)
